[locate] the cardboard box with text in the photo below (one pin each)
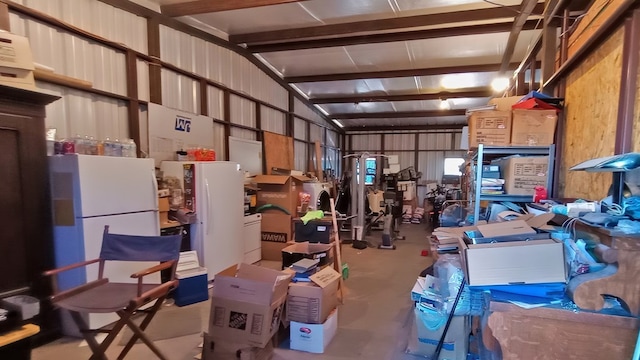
(247, 308)
(312, 302)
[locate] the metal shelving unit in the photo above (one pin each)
(491, 152)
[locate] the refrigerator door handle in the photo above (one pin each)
(208, 220)
(155, 200)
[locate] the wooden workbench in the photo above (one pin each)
(548, 333)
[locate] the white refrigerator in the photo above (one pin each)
(89, 192)
(218, 188)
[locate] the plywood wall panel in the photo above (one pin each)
(279, 151)
(592, 95)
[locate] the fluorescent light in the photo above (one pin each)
(321, 110)
(500, 84)
(444, 104)
(337, 123)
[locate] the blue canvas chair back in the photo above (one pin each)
(139, 248)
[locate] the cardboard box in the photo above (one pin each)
(163, 204)
(518, 262)
(247, 308)
(306, 250)
(455, 344)
(276, 234)
(523, 173)
(312, 302)
(490, 127)
(16, 61)
(281, 190)
(215, 351)
(313, 338)
(533, 127)
(505, 103)
(17, 77)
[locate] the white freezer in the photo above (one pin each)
(219, 201)
(104, 185)
(89, 192)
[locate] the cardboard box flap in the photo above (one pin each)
(515, 227)
(505, 103)
(301, 178)
(271, 179)
(253, 284)
(325, 277)
(245, 290)
(278, 179)
(541, 220)
(257, 273)
(307, 248)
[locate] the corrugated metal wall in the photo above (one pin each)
(81, 113)
(220, 65)
(85, 113)
(300, 129)
(302, 110)
(301, 158)
(273, 120)
(243, 111)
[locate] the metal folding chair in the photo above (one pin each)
(125, 299)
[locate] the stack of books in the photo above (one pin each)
(491, 186)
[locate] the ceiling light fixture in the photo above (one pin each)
(500, 84)
(337, 123)
(444, 104)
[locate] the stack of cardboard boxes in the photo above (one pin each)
(505, 126)
(250, 303)
(282, 192)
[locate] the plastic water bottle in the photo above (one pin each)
(133, 149)
(78, 142)
(117, 148)
(108, 146)
(129, 148)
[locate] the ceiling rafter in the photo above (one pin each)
(390, 37)
(378, 25)
(527, 8)
(397, 114)
(441, 95)
(405, 127)
(397, 73)
(210, 6)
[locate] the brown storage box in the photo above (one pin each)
(276, 233)
(533, 127)
(523, 174)
(281, 190)
(490, 128)
(247, 308)
(163, 204)
(312, 302)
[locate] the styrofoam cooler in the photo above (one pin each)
(192, 279)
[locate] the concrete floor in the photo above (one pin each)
(374, 321)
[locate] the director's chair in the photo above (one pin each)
(125, 299)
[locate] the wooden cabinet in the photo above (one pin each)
(26, 247)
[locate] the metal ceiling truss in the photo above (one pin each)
(209, 6)
(397, 73)
(442, 95)
(394, 23)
